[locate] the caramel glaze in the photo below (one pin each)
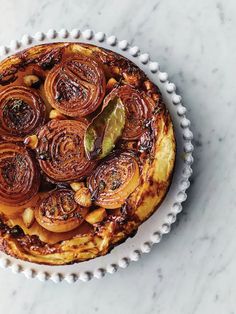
(39, 62)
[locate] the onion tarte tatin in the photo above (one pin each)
(87, 151)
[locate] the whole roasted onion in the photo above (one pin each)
(114, 180)
(138, 108)
(58, 211)
(76, 86)
(19, 176)
(22, 111)
(60, 151)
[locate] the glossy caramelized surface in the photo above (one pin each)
(87, 151)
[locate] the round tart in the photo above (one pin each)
(87, 151)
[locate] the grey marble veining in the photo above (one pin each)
(193, 269)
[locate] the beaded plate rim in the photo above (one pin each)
(134, 247)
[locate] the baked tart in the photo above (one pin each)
(87, 152)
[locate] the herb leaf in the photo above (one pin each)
(104, 131)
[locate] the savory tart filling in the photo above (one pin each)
(87, 151)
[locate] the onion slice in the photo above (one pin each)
(58, 211)
(61, 153)
(22, 111)
(76, 86)
(138, 108)
(19, 175)
(114, 180)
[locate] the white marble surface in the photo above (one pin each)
(193, 269)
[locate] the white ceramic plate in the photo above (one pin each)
(159, 223)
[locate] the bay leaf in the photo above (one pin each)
(105, 129)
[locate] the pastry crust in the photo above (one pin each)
(154, 149)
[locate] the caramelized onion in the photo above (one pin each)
(138, 108)
(22, 111)
(19, 176)
(114, 180)
(58, 211)
(76, 87)
(60, 151)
